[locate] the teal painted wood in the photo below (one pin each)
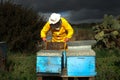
(81, 66)
(49, 64)
(64, 59)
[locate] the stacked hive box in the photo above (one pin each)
(50, 60)
(80, 59)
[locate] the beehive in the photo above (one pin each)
(80, 59)
(49, 61)
(81, 63)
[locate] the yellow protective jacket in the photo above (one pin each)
(66, 31)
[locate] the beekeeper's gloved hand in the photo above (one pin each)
(66, 39)
(44, 39)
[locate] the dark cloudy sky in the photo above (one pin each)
(75, 10)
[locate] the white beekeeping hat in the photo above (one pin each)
(54, 18)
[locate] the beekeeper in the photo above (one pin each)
(60, 28)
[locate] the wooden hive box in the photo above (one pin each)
(55, 46)
(49, 62)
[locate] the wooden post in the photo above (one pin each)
(64, 73)
(65, 78)
(39, 78)
(91, 78)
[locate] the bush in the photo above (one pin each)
(19, 67)
(104, 52)
(20, 27)
(107, 34)
(107, 64)
(108, 68)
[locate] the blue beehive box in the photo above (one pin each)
(81, 63)
(49, 61)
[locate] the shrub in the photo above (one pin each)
(108, 68)
(107, 34)
(107, 64)
(19, 27)
(19, 67)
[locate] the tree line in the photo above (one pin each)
(20, 27)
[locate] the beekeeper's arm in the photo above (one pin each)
(44, 31)
(69, 29)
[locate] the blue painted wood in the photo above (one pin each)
(81, 66)
(64, 59)
(49, 64)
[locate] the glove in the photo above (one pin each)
(66, 39)
(44, 39)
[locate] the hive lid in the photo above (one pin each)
(80, 53)
(49, 53)
(81, 43)
(82, 47)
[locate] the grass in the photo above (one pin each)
(108, 64)
(108, 68)
(22, 66)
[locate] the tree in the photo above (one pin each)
(107, 34)
(20, 27)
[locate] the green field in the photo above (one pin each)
(19, 67)
(22, 66)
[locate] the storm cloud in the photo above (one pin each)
(76, 11)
